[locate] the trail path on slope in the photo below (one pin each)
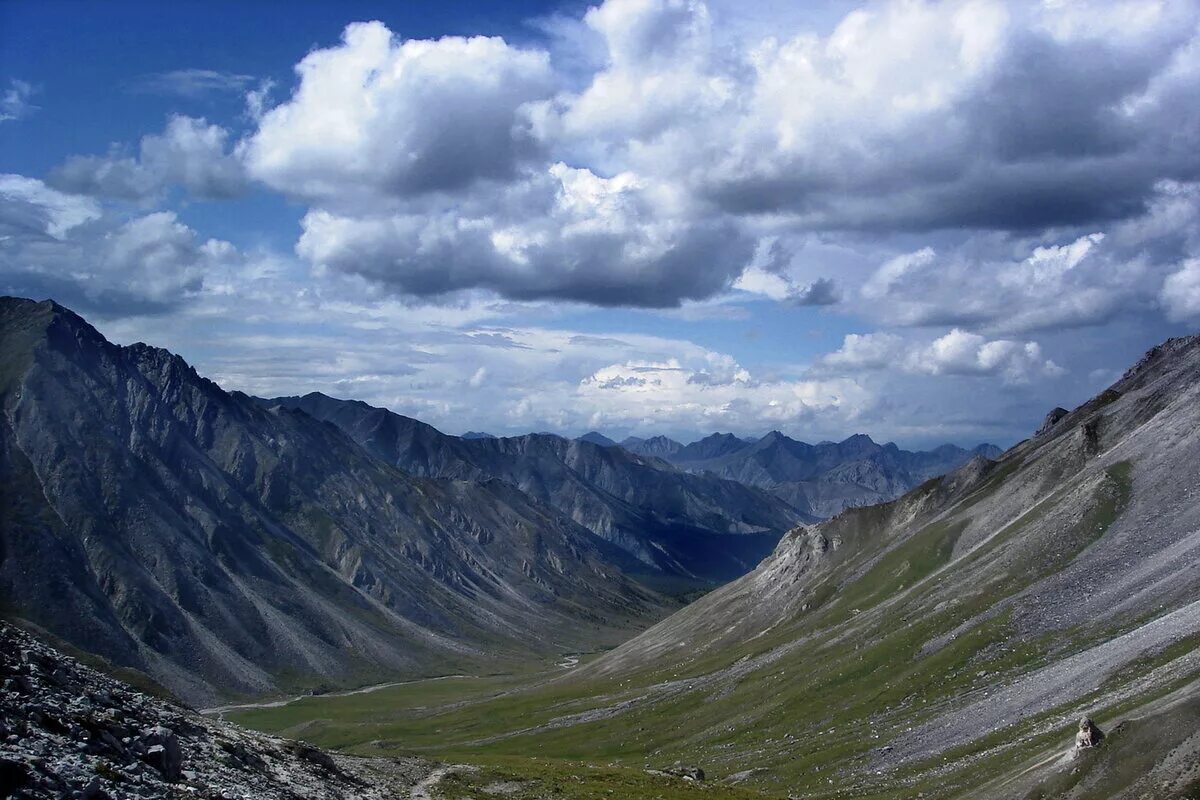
(220, 711)
(422, 790)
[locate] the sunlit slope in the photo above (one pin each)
(944, 644)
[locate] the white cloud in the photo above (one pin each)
(566, 234)
(962, 353)
(955, 353)
(908, 116)
(64, 246)
(14, 101)
(375, 118)
(648, 395)
(770, 274)
(29, 204)
(1181, 292)
(865, 351)
(1085, 280)
(895, 270)
(193, 83)
(190, 152)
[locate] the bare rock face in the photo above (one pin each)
(1051, 420)
(1088, 736)
(215, 544)
(69, 731)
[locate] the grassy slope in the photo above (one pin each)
(836, 676)
(810, 718)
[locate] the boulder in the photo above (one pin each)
(162, 751)
(680, 770)
(1088, 735)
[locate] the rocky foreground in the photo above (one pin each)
(67, 730)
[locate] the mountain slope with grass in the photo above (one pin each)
(943, 645)
(224, 548)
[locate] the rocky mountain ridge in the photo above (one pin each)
(225, 548)
(972, 622)
(696, 526)
(820, 480)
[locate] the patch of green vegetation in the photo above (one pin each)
(901, 567)
(538, 779)
(805, 703)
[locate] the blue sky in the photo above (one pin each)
(926, 222)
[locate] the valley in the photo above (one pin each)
(486, 604)
(943, 645)
(601, 400)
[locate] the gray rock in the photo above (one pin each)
(686, 772)
(1088, 736)
(44, 763)
(160, 514)
(1052, 419)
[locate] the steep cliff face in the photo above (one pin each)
(674, 522)
(226, 547)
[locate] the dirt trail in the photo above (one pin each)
(220, 711)
(423, 790)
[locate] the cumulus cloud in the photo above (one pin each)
(865, 351)
(567, 234)
(15, 101)
(375, 118)
(1046, 282)
(1181, 292)
(962, 131)
(956, 353)
(704, 392)
(962, 353)
(28, 206)
(782, 287)
(906, 117)
(54, 244)
(190, 152)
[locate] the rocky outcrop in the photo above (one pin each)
(69, 731)
(1088, 736)
(680, 770)
(1052, 419)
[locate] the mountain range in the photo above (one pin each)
(949, 643)
(819, 480)
(225, 547)
(690, 526)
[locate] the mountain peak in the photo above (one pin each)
(858, 438)
(595, 437)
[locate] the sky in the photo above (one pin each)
(927, 222)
